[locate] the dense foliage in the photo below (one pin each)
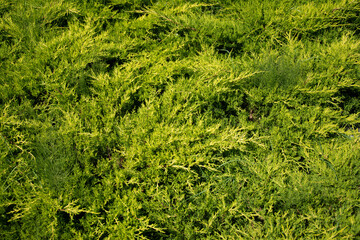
(217, 119)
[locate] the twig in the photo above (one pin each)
(171, 20)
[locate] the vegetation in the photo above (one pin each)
(217, 119)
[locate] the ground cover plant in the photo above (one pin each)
(214, 119)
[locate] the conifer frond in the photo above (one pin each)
(179, 119)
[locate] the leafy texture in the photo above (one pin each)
(179, 119)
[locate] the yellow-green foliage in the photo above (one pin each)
(137, 119)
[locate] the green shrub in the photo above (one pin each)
(179, 119)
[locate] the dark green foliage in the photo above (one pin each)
(179, 119)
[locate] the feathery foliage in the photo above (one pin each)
(179, 119)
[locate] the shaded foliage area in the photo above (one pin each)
(179, 119)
